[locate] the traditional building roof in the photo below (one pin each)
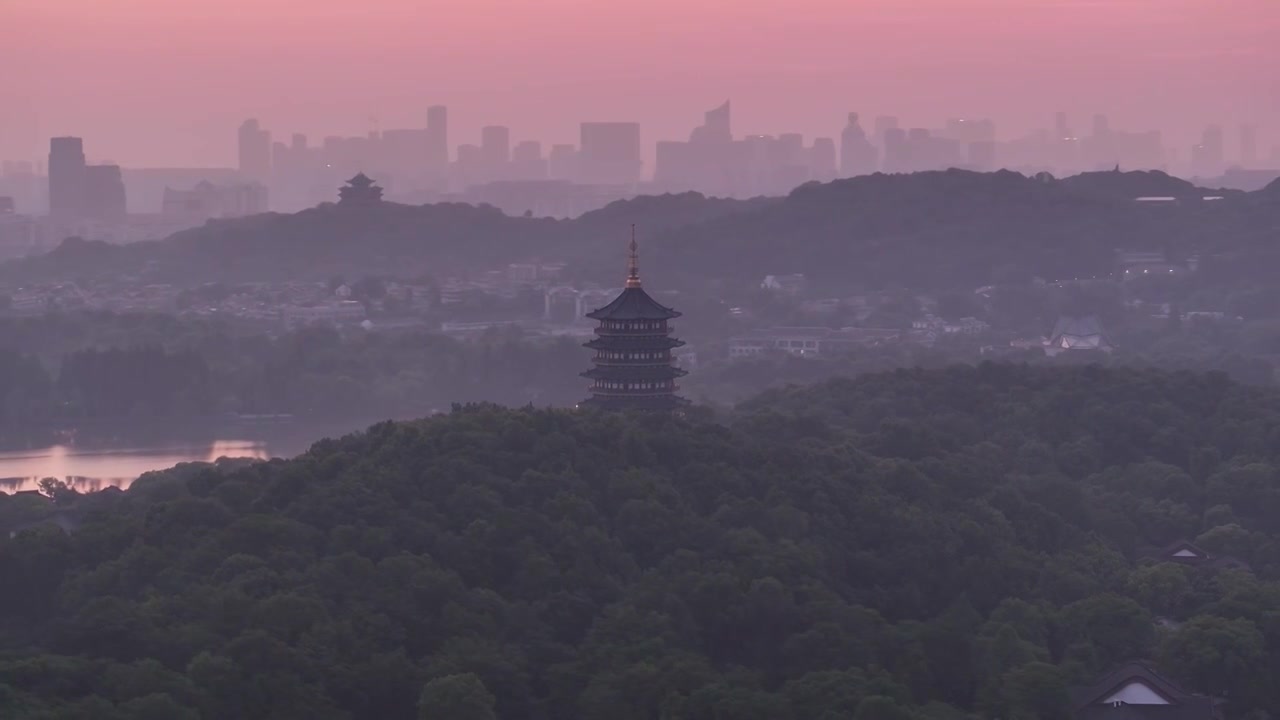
(639, 342)
(360, 190)
(633, 303)
(663, 371)
(1187, 553)
(1078, 333)
(1135, 691)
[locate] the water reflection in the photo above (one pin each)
(89, 469)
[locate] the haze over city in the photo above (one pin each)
(657, 360)
(170, 81)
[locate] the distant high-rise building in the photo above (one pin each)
(822, 159)
(495, 143)
(527, 162)
(1061, 130)
(255, 150)
(896, 158)
(857, 155)
(981, 155)
(1207, 158)
(469, 169)
(1101, 150)
(609, 153)
(495, 151)
(885, 123)
(1248, 146)
(66, 177)
(562, 163)
(882, 126)
(676, 166)
(1101, 126)
(971, 130)
(206, 201)
(104, 193)
(969, 142)
(437, 136)
(527, 151)
(716, 126)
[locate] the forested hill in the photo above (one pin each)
(936, 229)
(917, 545)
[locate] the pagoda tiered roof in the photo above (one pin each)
(609, 341)
(635, 372)
(634, 304)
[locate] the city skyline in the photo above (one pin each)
(1175, 65)
(1247, 144)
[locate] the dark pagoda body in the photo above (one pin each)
(359, 190)
(634, 368)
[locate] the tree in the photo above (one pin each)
(879, 707)
(1163, 588)
(1036, 691)
(1216, 655)
(456, 697)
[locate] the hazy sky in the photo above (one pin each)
(166, 82)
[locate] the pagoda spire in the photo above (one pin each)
(633, 261)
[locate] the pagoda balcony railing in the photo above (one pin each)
(610, 362)
(634, 333)
(633, 393)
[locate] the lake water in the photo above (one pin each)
(117, 463)
(89, 469)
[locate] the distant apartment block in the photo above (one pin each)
(809, 341)
(207, 201)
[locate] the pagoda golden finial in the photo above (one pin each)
(633, 262)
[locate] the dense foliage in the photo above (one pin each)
(79, 368)
(955, 543)
(935, 230)
(389, 239)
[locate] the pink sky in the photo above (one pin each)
(166, 82)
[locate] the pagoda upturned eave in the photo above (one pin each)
(641, 373)
(634, 303)
(622, 342)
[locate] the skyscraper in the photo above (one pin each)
(1061, 130)
(1101, 126)
(495, 151)
(1248, 146)
(104, 193)
(66, 177)
(609, 153)
(527, 162)
(1207, 157)
(857, 155)
(437, 136)
(822, 159)
(715, 127)
(255, 151)
(883, 124)
(495, 142)
(896, 153)
(562, 163)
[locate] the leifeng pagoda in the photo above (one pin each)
(360, 190)
(634, 368)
